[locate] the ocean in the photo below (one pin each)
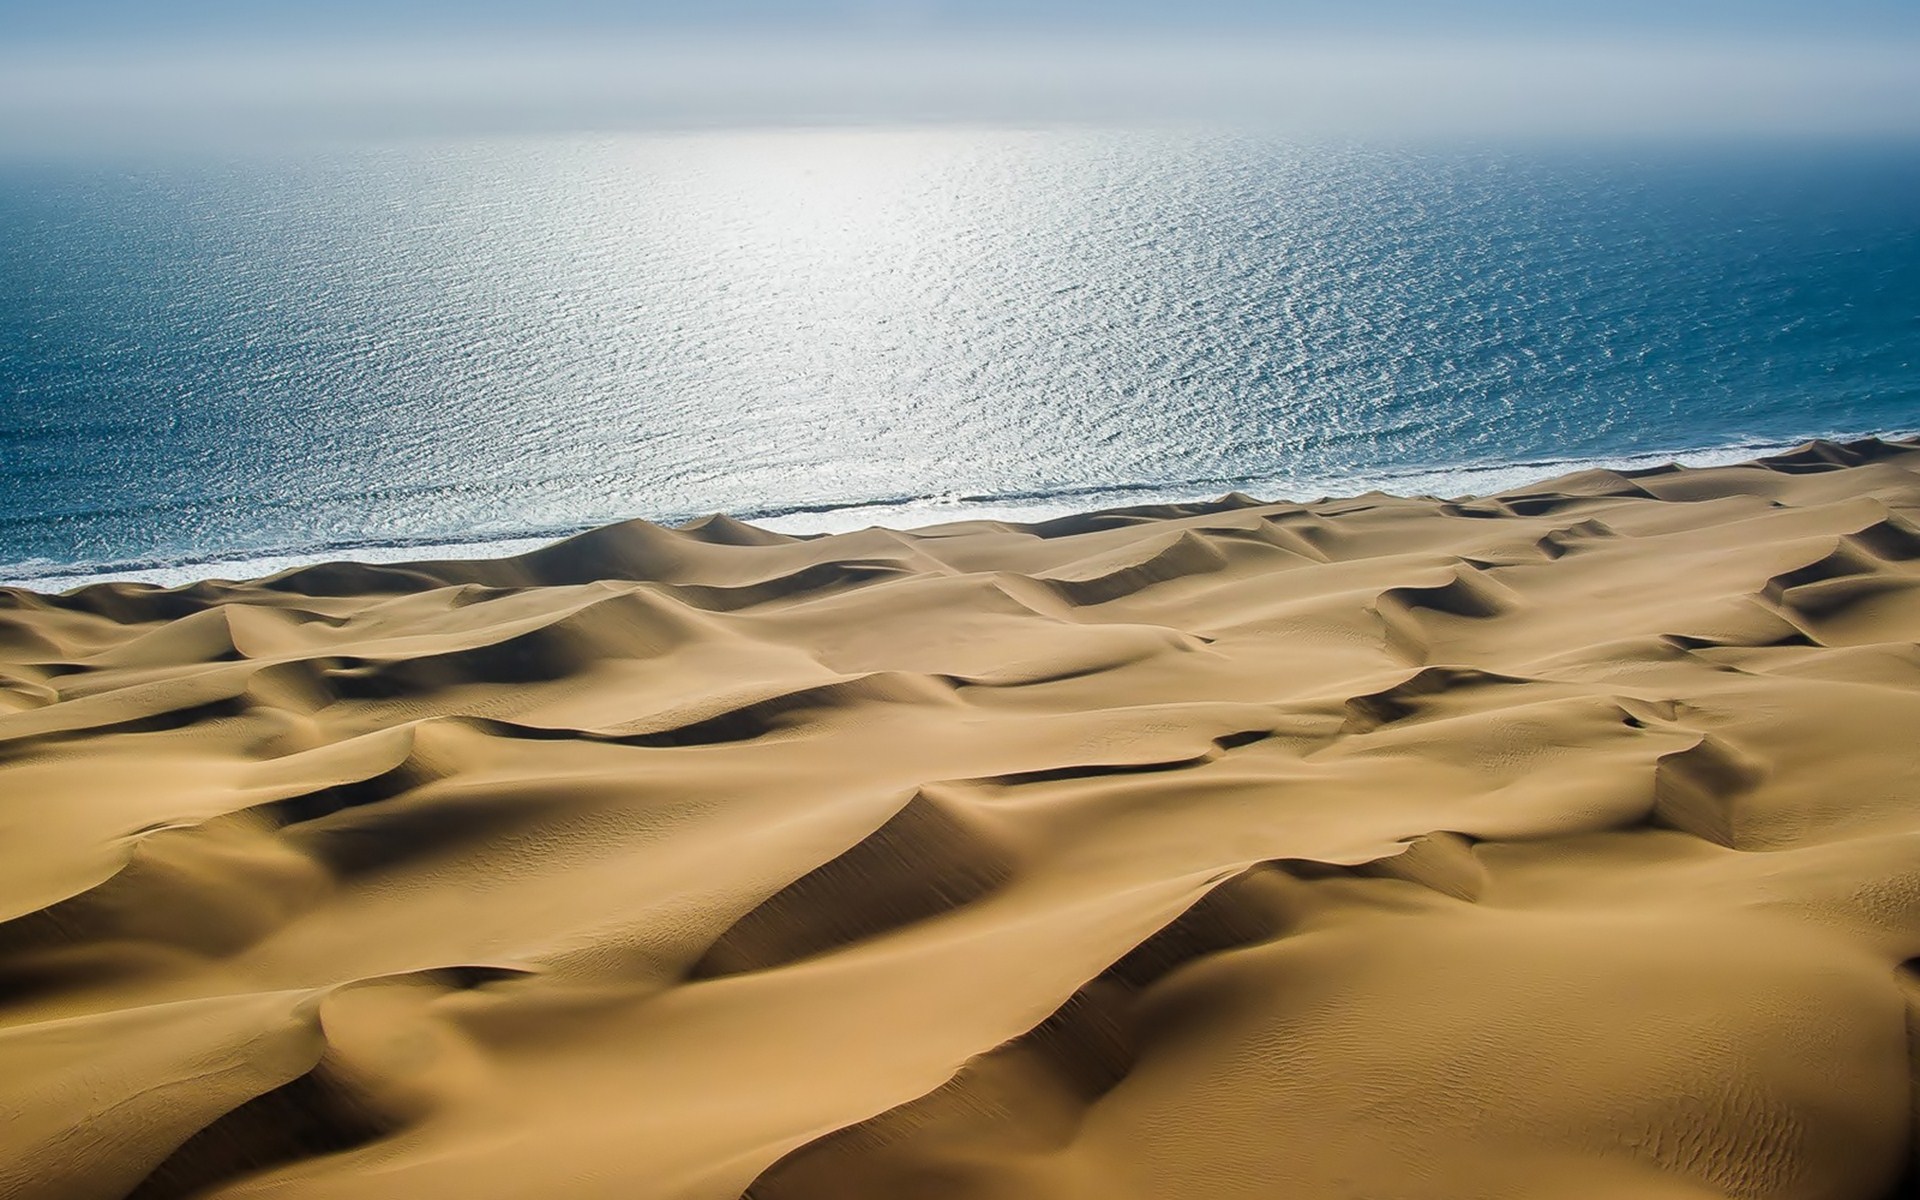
(220, 364)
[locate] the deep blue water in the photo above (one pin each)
(211, 364)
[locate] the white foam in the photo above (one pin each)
(255, 567)
(1451, 482)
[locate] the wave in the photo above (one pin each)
(1458, 480)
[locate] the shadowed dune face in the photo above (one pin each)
(1560, 844)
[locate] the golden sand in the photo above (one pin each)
(1560, 844)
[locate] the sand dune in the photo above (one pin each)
(1563, 843)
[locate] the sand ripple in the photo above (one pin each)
(1561, 843)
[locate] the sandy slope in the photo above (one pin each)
(1560, 844)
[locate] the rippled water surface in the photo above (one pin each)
(211, 364)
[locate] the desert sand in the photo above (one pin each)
(1563, 843)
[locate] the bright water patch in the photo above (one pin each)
(214, 365)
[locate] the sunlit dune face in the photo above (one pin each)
(1554, 844)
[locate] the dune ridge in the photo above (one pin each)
(1557, 843)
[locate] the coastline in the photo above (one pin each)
(1554, 841)
(907, 512)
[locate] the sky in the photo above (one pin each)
(80, 70)
(109, 19)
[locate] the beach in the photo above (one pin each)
(1562, 842)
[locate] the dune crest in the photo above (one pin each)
(1560, 843)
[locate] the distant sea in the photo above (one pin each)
(219, 364)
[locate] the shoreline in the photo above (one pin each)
(906, 513)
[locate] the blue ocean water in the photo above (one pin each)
(220, 364)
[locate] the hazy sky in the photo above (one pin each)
(94, 19)
(74, 70)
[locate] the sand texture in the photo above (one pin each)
(1561, 844)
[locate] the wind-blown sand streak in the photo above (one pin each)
(1562, 843)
